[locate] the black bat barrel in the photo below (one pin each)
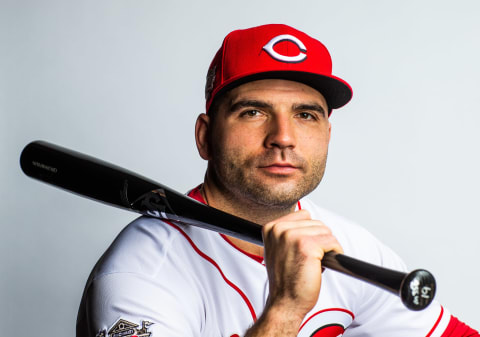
(113, 185)
(83, 175)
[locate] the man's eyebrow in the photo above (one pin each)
(250, 103)
(311, 107)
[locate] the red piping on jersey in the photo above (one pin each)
(329, 309)
(455, 328)
(437, 322)
(257, 258)
(195, 194)
(209, 259)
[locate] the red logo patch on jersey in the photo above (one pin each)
(326, 323)
(332, 330)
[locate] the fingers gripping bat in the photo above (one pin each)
(113, 185)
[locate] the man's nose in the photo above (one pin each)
(281, 132)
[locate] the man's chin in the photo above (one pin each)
(278, 195)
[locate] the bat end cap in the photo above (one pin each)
(418, 289)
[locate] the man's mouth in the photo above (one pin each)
(279, 168)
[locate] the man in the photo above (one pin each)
(265, 135)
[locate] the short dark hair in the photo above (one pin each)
(215, 106)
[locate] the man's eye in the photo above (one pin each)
(306, 115)
(250, 113)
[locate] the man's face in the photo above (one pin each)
(269, 142)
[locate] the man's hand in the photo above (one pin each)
(294, 247)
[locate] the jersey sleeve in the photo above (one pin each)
(138, 288)
(135, 299)
(456, 328)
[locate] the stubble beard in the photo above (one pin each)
(239, 180)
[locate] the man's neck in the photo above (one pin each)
(245, 209)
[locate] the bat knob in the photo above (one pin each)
(418, 289)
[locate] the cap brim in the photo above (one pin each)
(336, 91)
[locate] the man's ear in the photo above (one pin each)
(202, 128)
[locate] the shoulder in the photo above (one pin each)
(145, 245)
(356, 240)
(331, 219)
(342, 227)
(149, 260)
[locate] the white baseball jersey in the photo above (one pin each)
(160, 279)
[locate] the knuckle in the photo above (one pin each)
(308, 244)
(265, 229)
(286, 235)
(281, 227)
(268, 228)
(322, 228)
(303, 243)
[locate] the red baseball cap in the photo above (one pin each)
(274, 51)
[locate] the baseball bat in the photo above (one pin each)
(116, 186)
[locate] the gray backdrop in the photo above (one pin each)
(123, 81)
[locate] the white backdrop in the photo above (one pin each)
(123, 81)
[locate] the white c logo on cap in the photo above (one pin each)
(283, 58)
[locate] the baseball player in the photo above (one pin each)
(265, 134)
